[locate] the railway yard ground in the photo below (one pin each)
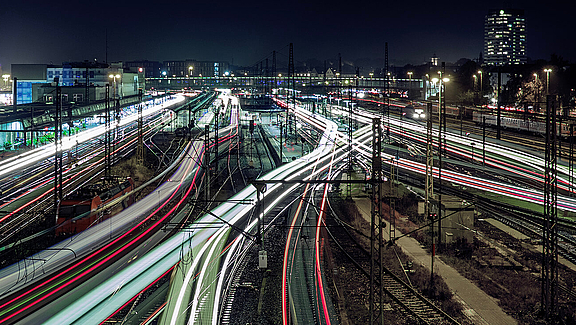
(493, 280)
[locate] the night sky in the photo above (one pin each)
(244, 32)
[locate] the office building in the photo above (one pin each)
(505, 37)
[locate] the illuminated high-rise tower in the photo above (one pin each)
(505, 37)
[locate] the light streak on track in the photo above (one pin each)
(111, 295)
(90, 249)
(522, 163)
(14, 163)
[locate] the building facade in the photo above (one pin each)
(195, 68)
(36, 82)
(505, 37)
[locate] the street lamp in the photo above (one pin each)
(371, 79)
(410, 83)
(6, 77)
(191, 69)
(537, 92)
(440, 81)
(547, 80)
(481, 83)
(338, 84)
(114, 77)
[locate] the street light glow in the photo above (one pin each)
(547, 80)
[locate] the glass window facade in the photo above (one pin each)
(24, 93)
(505, 37)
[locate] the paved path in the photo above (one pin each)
(478, 306)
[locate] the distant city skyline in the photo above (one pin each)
(242, 33)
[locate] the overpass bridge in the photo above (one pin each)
(306, 84)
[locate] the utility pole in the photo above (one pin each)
(251, 131)
(281, 144)
(429, 190)
(550, 228)
(216, 138)
(324, 80)
(483, 141)
(207, 163)
(58, 152)
(376, 302)
(140, 148)
(441, 145)
(339, 75)
(87, 88)
(107, 151)
(291, 85)
(267, 83)
(117, 118)
(350, 167)
(262, 255)
(387, 91)
(274, 74)
(498, 122)
(571, 158)
(392, 199)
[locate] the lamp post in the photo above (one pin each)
(115, 96)
(410, 83)
(191, 70)
(114, 77)
(338, 84)
(537, 95)
(441, 81)
(481, 81)
(371, 79)
(547, 80)
(441, 144)
(6, 77)
(428, 86)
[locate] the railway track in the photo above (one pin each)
(411, 302)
